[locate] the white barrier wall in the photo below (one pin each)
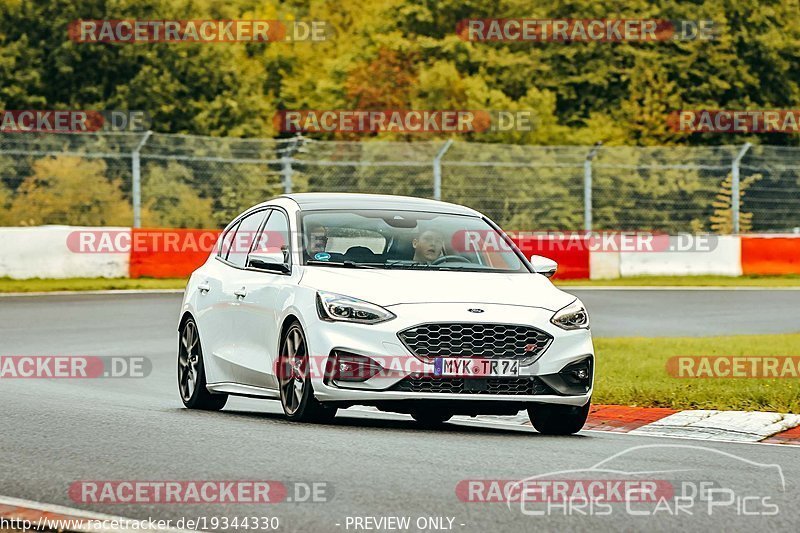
(48, 252)
(43, 252)
(603, 265)
(721, 256)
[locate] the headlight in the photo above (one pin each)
(573, 316)
(332, 306)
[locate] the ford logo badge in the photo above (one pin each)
(475, 310)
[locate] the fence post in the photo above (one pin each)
(287, 154)
(286, 172)
(587, 186)
(136, 189)
(437, 170)
(735, 187)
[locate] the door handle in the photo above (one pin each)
(204, 288)
(240, 293)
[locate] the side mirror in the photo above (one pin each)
(543, 265)
(272, 261)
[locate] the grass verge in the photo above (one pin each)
(632, 371)
(88, 284)
(687, 281)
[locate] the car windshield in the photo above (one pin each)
(406, 240)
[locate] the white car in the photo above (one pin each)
(324, 301)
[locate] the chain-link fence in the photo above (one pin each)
(160, 180)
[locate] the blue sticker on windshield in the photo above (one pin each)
(322, 256)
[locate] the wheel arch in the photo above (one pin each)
(288, 321)
(184, 318)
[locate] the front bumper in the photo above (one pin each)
(381, 343)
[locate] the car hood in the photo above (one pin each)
(392, 287)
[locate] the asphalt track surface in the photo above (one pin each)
(55, 432)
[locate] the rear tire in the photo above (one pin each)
(192, 373)
(294, 379)
(558, 419)
(431, 418)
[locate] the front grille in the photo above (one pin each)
(488, 341)
(514, 386)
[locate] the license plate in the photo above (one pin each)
(464, 367)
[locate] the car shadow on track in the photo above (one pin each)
(369, 422)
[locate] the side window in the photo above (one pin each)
(274, 238)
(226, 241)
(241, 242)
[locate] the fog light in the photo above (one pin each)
(348, 368)
(579, 372)
(351, 368)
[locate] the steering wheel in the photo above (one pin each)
(450, 259)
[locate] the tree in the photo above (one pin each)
(5, 203)
(722, 219)
(385, 82)
(386, 53)
(169, 201)
(70, 190)
(650, 100)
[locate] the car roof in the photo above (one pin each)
(313, 201)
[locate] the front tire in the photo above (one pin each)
(558, 419)
(294, 379)
(192, 373)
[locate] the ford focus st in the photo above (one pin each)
(325, 301)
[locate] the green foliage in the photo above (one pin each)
(7, 169)
(722, 219)
(403, 53)
(69, 190)
(169, 200)
(242, 186)
(406, 54)
(5, 203)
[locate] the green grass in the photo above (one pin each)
(87, 284)
(632, 371)
(689, 281)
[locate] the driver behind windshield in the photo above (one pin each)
(428, 246)
(316, 239)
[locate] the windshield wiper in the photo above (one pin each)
(344, 264)
(399, 264)
(443, 266)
